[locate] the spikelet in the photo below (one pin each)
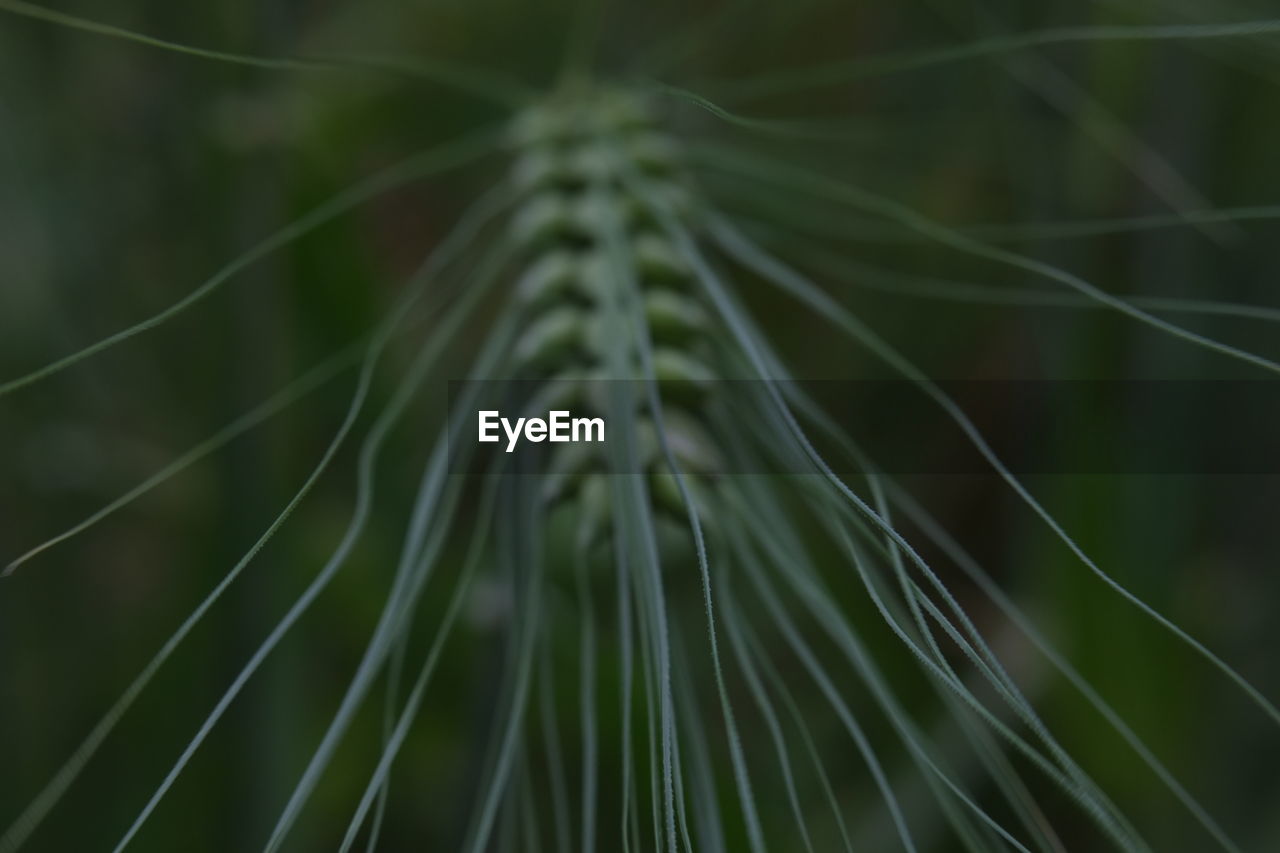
(577, 161)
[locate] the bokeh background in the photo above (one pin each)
(130, 174)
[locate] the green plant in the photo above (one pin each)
(758, 660)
